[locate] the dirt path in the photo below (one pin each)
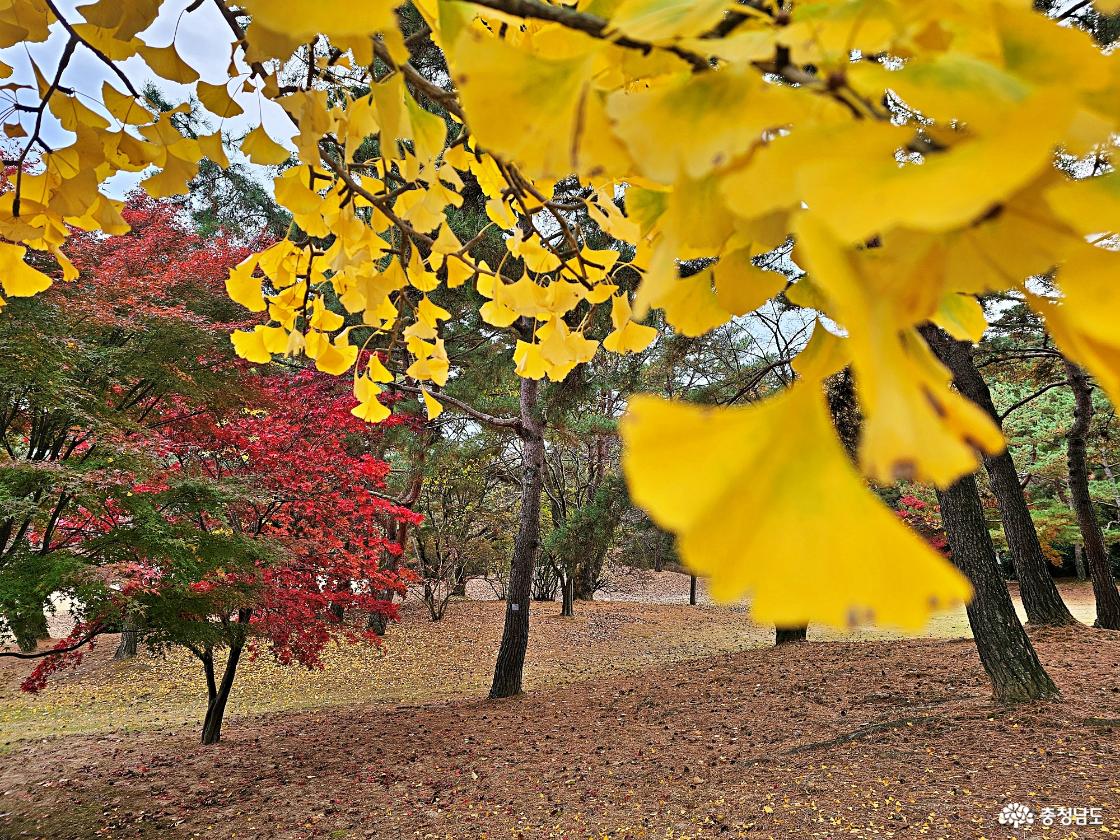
(883, 739)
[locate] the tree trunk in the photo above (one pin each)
(126, 648)
(1079, 562)
(568, 590)
(515, 635)
(1100, 569)
(692, 591)
(29, 628)
(219, 694)
(1005, 650)
(1041, 599)
(789, 635)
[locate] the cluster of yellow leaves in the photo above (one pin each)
(908, 148)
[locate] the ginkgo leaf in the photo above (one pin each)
(793, 540)
(825, 354)
(691, 307)
(335, 357)
(741, 286)
(915, 425)
(168, 64)
(217, 100)
(493, 76)
(16, 276)
(331, 17)
(1091, 205)
(1100, 356)
(244, 288)
(627, 337)
(250, 345)
(694, 135)
(659, 20)
(962, 316)
(262, 149)
(432, 406)
(369, 407)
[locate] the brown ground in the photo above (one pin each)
(826, 739)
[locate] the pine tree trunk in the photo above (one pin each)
(789, 635)
(1005, 650)
(1100, 569)
(515, 635)
(568, 590)
(126, 648)
(1079, 562)
(1041, 599)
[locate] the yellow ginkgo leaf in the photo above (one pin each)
(825, 354)
(217, 100)
(169, 65)
(250, 345)
(691, 306)
(1090, 206)
(262, 149)
(794, 541)
(528, 360)
(433, 406)
(659, 20)
(627, 337)
(741, 286)
(369, 407)
(17, 277)
(962, 316)
(493, 76)
(335, 357)
(244, 288)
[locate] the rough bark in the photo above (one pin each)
(1004, 647)
(789, 635)
(126, 648)
(1100, 569)
(1041, 599)
(515, 634)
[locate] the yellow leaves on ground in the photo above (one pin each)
(764, 501)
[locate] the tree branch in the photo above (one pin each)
(482, 417)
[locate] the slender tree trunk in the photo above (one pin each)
(219, 694)
(568, 594)
(789, 635)
(126, 648)
(515, 635)
(692, 590)
(1041, 599)
(1100, 569)
(1079, 562)
(1005, 650)
(29, 628)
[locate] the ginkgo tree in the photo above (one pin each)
(908, 148)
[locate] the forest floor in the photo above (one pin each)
(639, 720)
